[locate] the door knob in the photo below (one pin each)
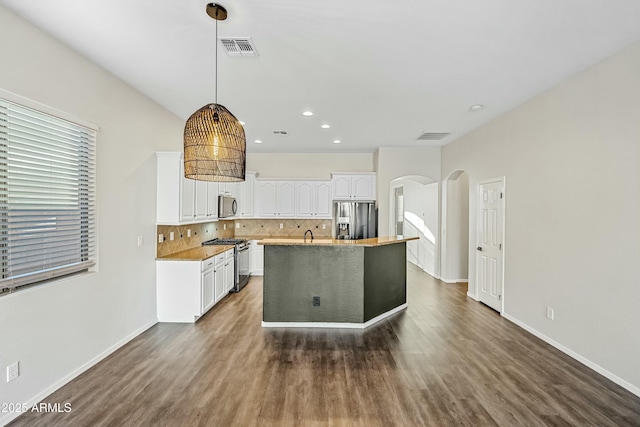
(479, 248)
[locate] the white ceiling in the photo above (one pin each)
(380, 73)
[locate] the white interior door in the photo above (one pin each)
(489, 253)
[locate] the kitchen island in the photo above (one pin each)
(333, 283)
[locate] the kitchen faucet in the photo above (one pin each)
(305, 235)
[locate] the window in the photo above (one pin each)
(47, 196)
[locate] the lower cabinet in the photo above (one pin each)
(257, 258)
(188, 289)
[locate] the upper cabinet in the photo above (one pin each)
(313, 199)
(246, 196)
(182, 200)
(275, 199)
(360, 186)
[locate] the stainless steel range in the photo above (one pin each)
(242, 267)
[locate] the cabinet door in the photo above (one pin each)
(219, 283)
(266, 197)
(212, 200)
(362, 187)
(246, 196)
(257, 258)
(342, 187)
(208, 296)
(229, 273)
(201, 200)
(304, 199)
(188, 196)
(286, 199)
(323, 199)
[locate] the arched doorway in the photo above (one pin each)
(455, 228)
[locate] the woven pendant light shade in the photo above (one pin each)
(214, 145)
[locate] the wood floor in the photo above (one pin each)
(446, 360)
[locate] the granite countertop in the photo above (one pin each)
(376, 241)
(199, 253)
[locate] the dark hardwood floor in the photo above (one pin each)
(446, 360)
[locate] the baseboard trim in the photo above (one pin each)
(588, 363)
(470, 295)
(334, 324)
(75, 373)
(455, 280)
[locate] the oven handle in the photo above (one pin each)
(246, 248)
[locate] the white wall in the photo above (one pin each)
(455, 230)
(571, 158)
(393, 163)
(304, 165)
(55, 330)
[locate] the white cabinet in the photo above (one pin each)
(246, 196)
(313, 199)
(181, 200)
(229, 271)
(275, 199)
(212, 200)
(208, 285)
(188, 289)
(257, 258)
(360, 186)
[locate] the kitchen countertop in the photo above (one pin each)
(376, 241)
(199, 253)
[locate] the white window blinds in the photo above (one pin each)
(47, 196)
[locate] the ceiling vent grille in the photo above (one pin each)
(239, 46)
(280, 132)
(433, 136)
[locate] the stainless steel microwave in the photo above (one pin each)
(227, 206)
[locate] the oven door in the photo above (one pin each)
(244, 266)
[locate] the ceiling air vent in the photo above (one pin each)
(433, 136)
(239, 46)
(280, 132)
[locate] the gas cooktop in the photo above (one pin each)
(219, 241)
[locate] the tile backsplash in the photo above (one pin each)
(290, 227)
(248, 228)
(181, 240)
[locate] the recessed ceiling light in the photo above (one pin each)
(257, 141)
(325, 126)
(476, 107)
(242, 123)
(336, 141)
(307, 113)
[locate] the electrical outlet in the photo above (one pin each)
(324, 226)
(237, 225)
(140, 241)
(188, 232)
(225, 226)
(160, 238)
(171, 235)
(316, 301)
(281, 225)
(550, 313)
(13, 371)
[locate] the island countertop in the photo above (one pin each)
(372, 242)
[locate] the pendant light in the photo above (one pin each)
(214, 140)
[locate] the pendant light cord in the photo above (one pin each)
(216, 59)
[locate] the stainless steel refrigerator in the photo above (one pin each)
(354, 220)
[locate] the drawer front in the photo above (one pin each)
(219, 258)
(208, 263)
(228, 254)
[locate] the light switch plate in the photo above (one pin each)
(140, 241)
(188, 232)
(171, 235)
(160, 238)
